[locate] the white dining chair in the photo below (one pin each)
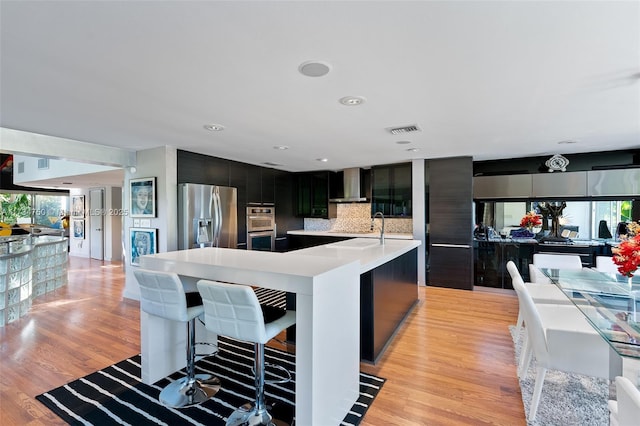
(557, 261)
(541, 293)
(606, 264)
(625, 410)
(553, 261)
(561, 338)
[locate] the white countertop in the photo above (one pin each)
(369, 253)
(352, 235)
(239, 264)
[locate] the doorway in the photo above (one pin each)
(96, 216)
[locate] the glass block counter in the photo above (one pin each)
(29, 267)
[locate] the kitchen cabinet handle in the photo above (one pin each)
(451, 245)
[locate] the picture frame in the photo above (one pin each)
(78, 229)
(142, 196)
(77, 206)
(143, 241)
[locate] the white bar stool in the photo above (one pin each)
(233, 310)
(162, 295)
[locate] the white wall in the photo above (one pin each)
(160, 163)
(112, 234)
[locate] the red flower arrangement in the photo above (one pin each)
(530, 220)
(627, 254)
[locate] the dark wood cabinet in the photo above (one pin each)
(286, 219)
(450, 219)
(391, 190)
(312, 194)
(267, 185)
(199, 168)
(387, 295)
(297, 241)
(255, 184)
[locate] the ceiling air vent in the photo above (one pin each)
(404, 129)
(21, 167)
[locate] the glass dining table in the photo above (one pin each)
(611, 303)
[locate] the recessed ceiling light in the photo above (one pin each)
(214, 127)
(413, 149)
(314, 68)
(566, 142)
(269, 163)
(403, 142)
(322, 160)
(352, 100)
(281, 147)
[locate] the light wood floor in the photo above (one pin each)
(451, 364)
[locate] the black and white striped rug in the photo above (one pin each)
(115, 395)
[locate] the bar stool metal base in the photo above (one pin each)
(248, 415)
(185, 392)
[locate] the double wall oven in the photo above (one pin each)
(261, 227)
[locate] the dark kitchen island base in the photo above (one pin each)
(388, 293)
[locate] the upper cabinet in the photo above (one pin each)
(510, 186)
(624, 182)
(391, 190)
(567, 184)
(312, 194)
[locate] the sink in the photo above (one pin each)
(357, 244)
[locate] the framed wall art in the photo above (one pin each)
(78, 229)
(143, 241)
(77, 206)
(142, 193)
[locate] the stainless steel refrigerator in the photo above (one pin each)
(207, 216)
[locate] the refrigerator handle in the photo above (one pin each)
(218, 218)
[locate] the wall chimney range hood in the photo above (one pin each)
(351, 187)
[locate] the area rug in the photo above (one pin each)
(116, 396)
(567, 399)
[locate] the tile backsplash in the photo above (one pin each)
(356, 218)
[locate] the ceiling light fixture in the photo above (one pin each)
(403, 142)
(281, 147)
(413, 149)
(314, 68)
(566, 142)
(214, 127)
(322, 160)
(352, 100)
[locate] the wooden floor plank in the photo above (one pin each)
(451, 363)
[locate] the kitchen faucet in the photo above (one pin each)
(381, 228)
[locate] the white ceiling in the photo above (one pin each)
(488, 79)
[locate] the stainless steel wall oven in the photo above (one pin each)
(261, 227)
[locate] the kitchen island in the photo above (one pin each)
(327, 290)
(388, 286)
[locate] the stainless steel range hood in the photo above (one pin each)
(351, 187)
